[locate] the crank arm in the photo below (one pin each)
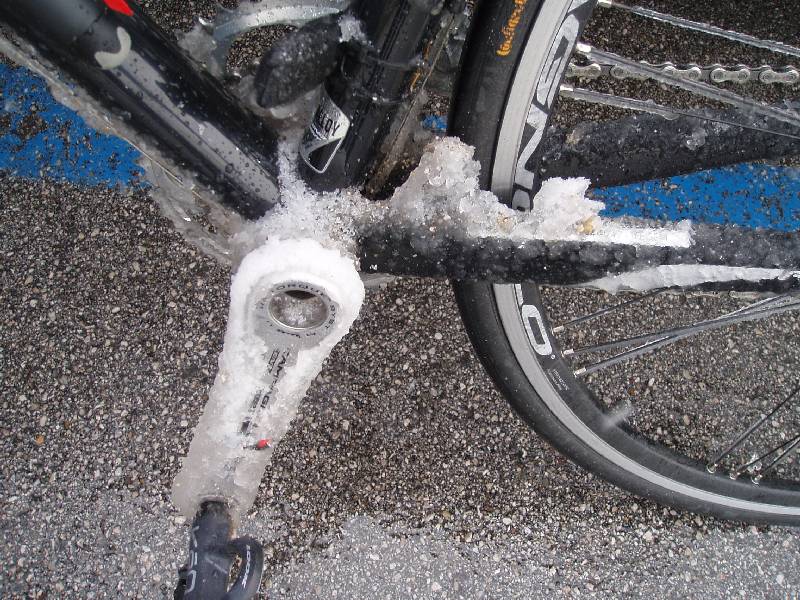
(291, 303)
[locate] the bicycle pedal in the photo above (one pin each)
(212, 557)
(298, 63)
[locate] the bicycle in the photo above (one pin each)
(529, 358)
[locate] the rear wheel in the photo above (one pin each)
(688, 399)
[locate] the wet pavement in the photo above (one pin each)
(405, 474)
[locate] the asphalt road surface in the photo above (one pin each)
(404, 476)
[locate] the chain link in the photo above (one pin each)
(715, 73)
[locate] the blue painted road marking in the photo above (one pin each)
(41, 138)
(435, 123)
(750, 195)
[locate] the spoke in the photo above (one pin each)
(712, 464)
(780, 457)
(647, 106)
(605, 311)
(668, 112)
(696, 87)
(742, 38)
(758, 310)
(654, 341)
(791, 443)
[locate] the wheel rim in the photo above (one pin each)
(539, 354)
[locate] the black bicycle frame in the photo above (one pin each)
(128, 64)
(121, 57)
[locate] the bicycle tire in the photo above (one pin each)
(506, 63)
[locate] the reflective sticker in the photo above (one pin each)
(325, 135)
(557, 380)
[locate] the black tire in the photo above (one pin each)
(569, 418)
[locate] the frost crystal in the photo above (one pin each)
(264, 372)
(330, 217)
(443, 194)
(352, 29)
(665, 276)
(443, 191)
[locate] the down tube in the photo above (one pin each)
(130, 66)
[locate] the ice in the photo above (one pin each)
(697, 139)
(311, 237)
(180, 197)
(263, 372)
(297, 311)
(210, 42)
(685, 276)
(351, 29)
(330, 218)
(443, 191)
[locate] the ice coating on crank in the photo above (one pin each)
(264, 372)
(266, 365)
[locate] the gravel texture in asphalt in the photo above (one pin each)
(405, 474)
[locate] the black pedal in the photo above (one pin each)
(298, 63)
(212, 554)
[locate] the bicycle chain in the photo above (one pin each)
(716, 73)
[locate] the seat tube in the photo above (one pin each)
(359, 99)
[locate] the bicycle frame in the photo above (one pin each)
(118, 55)
(121, 58)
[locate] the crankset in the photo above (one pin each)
(291, 303)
